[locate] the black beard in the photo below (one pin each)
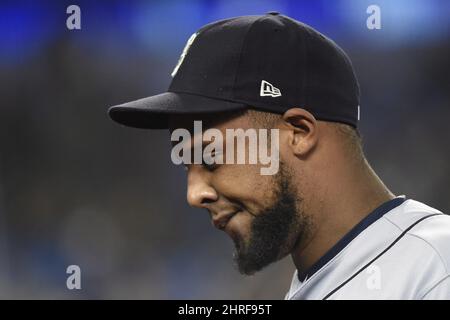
(273, 232)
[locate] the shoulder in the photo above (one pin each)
(427, 228)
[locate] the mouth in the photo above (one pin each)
(223, 220)
(227, 228)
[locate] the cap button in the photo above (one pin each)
(274, 13)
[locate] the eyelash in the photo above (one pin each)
(210, 167)
(213, 166)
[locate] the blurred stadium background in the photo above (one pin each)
(76, 188)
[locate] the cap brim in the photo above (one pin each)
(153, 112)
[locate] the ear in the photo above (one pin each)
(303, 128)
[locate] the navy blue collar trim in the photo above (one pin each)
(352, 234)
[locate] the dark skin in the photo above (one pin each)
(333, 190)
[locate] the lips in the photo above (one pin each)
(221, 220)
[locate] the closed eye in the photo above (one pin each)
(212, 158)
(210, 167)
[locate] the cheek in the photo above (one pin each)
(244, 184)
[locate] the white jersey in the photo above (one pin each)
(399, 251)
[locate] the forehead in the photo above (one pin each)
(221, 121)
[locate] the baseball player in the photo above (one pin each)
(348, 235)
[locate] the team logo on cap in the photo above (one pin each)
(183, 54)
(269, 90)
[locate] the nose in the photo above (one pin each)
(199, 192)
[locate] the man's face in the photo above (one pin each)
(261, 213)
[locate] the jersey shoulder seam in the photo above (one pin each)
(437, 214)
(436, 251)
(444, 264)
(434, 286)
(393, 223)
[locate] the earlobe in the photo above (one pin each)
(304, 128)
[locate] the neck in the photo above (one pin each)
(356, 194)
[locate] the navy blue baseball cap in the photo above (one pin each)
(268, 62)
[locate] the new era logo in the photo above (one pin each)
(268, 89)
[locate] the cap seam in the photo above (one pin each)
(307, 80)
(244, 42)
(305, 60)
